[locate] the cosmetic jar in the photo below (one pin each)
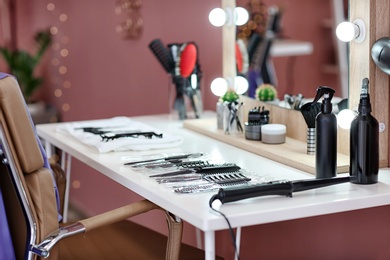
(252, 132)
(273, 133)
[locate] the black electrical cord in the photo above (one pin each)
(233, 236)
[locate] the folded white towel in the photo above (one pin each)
(120, 124)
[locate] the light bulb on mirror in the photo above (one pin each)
(347, 31)
(217, 17)
(345, 118)
(240, 85)
(241, 16)
(219, 87)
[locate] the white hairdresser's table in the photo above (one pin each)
(194, 208)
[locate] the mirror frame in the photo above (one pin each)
(375, 14)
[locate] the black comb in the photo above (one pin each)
(163, 55)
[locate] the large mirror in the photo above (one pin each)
(280, 48)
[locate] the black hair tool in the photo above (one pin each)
(163, 55)
(309, 111)
(282, 188)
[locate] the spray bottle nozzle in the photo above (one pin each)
(364, 103)
(365, 84)
(324, 91)
(328, 93)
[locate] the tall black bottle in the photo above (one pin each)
(326, 136)
(364, 142)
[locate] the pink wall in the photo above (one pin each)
(110, 76)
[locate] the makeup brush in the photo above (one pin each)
(309, 111)
(162, 54)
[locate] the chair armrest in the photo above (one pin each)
(88, 224)
(118, 214)
(43, 249)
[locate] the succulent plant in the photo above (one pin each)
(230, 96)
(266, 92)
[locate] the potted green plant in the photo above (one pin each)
(22, 64)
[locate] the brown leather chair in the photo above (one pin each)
(31, 208)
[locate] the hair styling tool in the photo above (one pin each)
(188, 60)
(380, 53)
(210, 169)
(168, 158)
(149, 135)
(162, 54)
(282, 188)
(309, 111)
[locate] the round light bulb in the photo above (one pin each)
(240, 85)
(345, 117)
(345, 31)
(241, 16)
(219, 86)
(217, 17)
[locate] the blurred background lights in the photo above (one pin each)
(58, 92)
(63, 17)
(53, 30)
(50, 6)
(64, 52)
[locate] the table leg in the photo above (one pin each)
(199, 243)
(238, 241)
(66, 165)
(209, 240)
(48, 148)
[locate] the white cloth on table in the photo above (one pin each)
(120, 125)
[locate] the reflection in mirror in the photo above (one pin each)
(295, 55)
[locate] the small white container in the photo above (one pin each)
(273, 133)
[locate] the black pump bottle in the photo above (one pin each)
(364, 142)
(326, 136)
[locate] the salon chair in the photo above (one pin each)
(27, 185)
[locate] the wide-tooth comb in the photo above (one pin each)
(163, 55)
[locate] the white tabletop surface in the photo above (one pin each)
(194, 208)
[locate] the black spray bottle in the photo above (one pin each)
(326, 136)
(364, 142)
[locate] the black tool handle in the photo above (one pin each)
(317, 183)
(283, 188)
(272, 188)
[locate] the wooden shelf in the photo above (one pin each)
(291, 153)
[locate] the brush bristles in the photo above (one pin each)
(162, 54)
(310, 112)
